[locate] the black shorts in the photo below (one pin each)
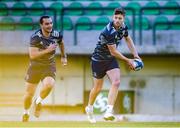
(99, 68)
(36, 73)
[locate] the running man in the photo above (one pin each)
(104, 62)
(42, 67)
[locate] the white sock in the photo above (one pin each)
(109, 108)
(39, 100)
(90, 106)
(26, 111)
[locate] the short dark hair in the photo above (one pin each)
(43, 17)
(119, 11)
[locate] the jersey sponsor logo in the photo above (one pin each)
(55, 34)
(39, 34)
(41, 43)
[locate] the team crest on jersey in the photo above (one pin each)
(41, 43)
(55, 33)
(117, 37)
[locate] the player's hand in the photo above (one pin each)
(130, 64)
(51, 47)
(64, 61)
(137, 57)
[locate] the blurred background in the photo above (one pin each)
(154, 26)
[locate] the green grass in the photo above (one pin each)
(80, 124)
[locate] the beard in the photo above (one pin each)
(48, 30)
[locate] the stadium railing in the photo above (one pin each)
(169, 23)
(33, 9)
(150, 8)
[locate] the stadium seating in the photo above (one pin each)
(37, 5)
(112, 5)
(135, 5)
(176, 26)
(127, 22)
(57, 6)
(102, 22)
(3, 6)
(145, 23)
(94, 11)
(27, 24)
(161, 19)
(75, 12)
(8, 23)
(152, 11)
(18, 5)
(67, 23)
(171, 11)
(82, 20)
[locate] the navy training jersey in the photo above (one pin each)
(39, 41)
(108, 36)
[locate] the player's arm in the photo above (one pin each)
(35, 53)
(131, 46)
(62, 49)
(114, 52)
(63, 53)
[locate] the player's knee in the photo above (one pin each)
(49, 82)
(49, 85)
(116, 83)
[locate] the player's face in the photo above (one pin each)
(118, 20)
(47, 25)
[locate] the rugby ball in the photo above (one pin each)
(138, 64)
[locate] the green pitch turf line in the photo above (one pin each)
(83, 124)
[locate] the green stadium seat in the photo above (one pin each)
(57, 6)
(67, 23)
(45, 0)
(19, 5)
(84, 20)
(7, 0)
(75, 12)
(171, 4)
(161, 19)
(3, 12)
(176, 26)
(111, 5)
(94, 11)
(37, 5)
(135, 5)
(127, 22)
(145, 23)
(103, 22)
(152, 11)
(101, 0)
(10, 23)
(26, 24)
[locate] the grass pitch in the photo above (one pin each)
(83, 124)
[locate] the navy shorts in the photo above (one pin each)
(99, 68)
(36, 73)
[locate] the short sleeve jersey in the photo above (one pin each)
(108, 36)
(39, 41)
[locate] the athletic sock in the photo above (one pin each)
(26, 111)
(90, 107)
(39, 100)
(109, 108)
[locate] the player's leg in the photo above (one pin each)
(98, 74)
(98, 83)
(30, 90)
(47, 85)
(114, 76)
